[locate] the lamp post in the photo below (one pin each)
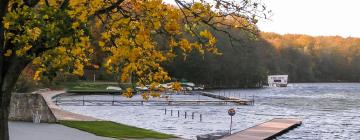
(231, 113)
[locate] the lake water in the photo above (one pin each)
(329, 111)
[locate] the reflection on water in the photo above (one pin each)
(330, 111)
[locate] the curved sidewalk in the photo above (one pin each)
(61, 114)
(45, 131)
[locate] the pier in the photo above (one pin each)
(86, 102)
(266, 131)
(222, 100)
(233, 99)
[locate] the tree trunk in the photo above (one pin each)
(10, 72)
(4, 113)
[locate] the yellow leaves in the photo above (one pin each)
(145, 96)
(101, 43)
(37, 75)
(128, 93)
(79, 68)
(157, 25)
(8, 53)
(185, 45)
(34, 33)
(155, 94)
(6, 24)
(205, 34)
(75, 25)
(105, 35)
(76, 51)
(37, 61)
(172, 28)
(45, 17)
(65, 41)
(62, 49)
(23, 50)
(211, 39)
(173, 43)
(176, 86)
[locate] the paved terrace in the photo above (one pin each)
(44, 131)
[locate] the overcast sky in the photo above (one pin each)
(313, 17)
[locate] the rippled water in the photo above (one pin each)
(329, 111)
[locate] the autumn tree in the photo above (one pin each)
(315, 58)
(55, 35)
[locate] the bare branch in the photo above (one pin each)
(65, 4)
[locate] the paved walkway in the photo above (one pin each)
(61, 114)
(44, 131)
(267, 130)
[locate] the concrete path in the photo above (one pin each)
(61, 114)
(44, 131)
(265, 131)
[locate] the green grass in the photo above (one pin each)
(114, 130)
(88, 86)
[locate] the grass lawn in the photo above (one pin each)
(114, 130)
(87, 85)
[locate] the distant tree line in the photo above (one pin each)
(248, 61)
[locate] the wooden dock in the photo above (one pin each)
(86, 102)
(266, 131)
(233, 99)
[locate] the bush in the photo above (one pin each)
(25, 84)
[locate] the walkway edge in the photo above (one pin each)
(61, 114)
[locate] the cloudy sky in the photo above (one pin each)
(313, 17)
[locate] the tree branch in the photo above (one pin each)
(47, 3)
(107, 9)
(31, 3)
(65, 4)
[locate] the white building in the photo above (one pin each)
(277, 80)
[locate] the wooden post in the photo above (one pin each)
(171, 112)
(113, 100)
(185, 114)
(178, 113)
(83, 101)
(200, 117)
(165, 111)
(230, 125)
(253, 101)
(94, 77)
(192, 115)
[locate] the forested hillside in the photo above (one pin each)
(316, 59)
(248, 62)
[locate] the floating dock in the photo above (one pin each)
(225, 98)
(86, 102)
(266, 131)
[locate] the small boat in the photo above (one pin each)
(278, 80)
